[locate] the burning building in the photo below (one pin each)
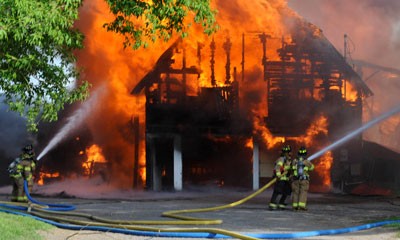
(308, 80)
(217, 109)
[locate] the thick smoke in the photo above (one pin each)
(373, 26)
(13, 136)
(373, 30)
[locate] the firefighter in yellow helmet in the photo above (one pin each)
(301, 167)
(282, 186)
(22, 168)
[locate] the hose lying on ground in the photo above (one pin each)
(126, 227)
(173, 214)
(51, 207)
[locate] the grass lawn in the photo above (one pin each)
(19, 227)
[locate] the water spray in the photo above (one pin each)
(355, 132)
(73, 122)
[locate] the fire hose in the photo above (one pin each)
(46, 213)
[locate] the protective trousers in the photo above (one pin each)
(300, 190)
(282, 187)
(30, 185)
(18, 193)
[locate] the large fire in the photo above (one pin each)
(244, 27)
(105, 61)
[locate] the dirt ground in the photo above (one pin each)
(326, 211)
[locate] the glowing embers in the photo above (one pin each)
(95, 162)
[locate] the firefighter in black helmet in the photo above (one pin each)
(282, 186)
(22, 168)
(300, 179)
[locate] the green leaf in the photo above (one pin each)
(162, 19)
(37, 41)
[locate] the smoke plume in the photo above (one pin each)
(373, 30)
(373, 26)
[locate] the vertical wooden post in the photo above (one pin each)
(136, 140)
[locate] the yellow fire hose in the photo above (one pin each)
(134, 222)
(143, 228)
(173, 214)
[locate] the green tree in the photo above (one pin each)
(37, 41)
(141, 21)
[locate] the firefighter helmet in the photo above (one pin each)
(28, 152)
(302, 151)
(28, 148)
(286, 149)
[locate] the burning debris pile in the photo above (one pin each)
(267, 78)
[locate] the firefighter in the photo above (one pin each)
(22, 168)
(282, 186)
(301, 167)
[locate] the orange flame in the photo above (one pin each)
(323, 170)
(43, 175)
(261, 130)
(249, 143)
(319, 126)
(324, 164)
(351, 94)
(94, 155)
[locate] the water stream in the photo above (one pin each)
(73, 122)
(355, 132)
